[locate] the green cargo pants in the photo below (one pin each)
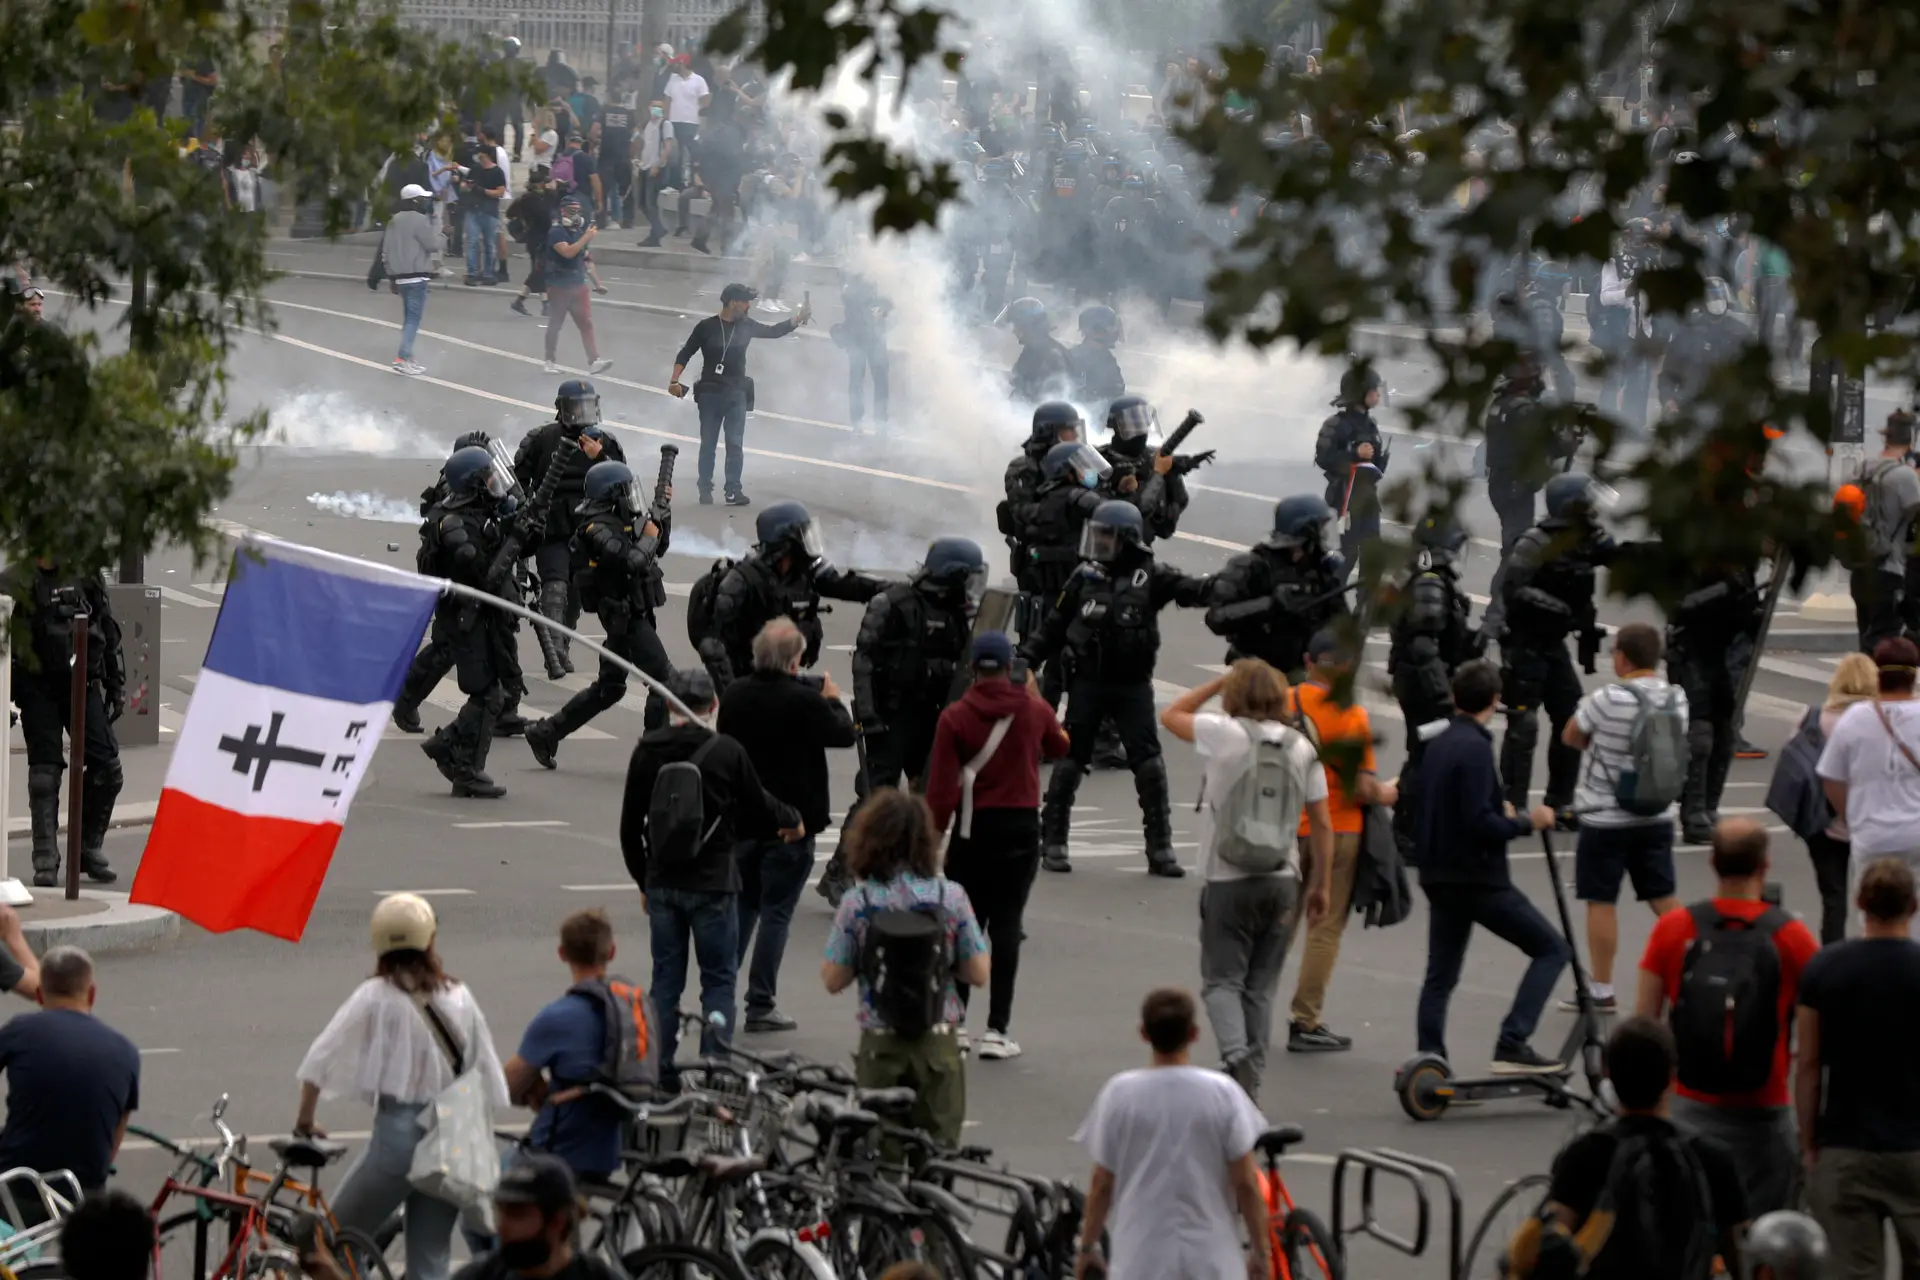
(929, 1065)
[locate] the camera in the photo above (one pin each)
(813, 680)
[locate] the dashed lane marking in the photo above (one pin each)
(426, 893)
(496, 826)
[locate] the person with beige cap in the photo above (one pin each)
(401, 1038)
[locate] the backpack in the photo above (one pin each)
(1795, 795)
(1874, 520)
(1726, 1014)
(632, 1057)
(677, 826)
(700, 601)
(907, 958)
(1256, 824)
(562, 170)
(1634, 1212)
(1657, 754)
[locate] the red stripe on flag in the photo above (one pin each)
(225, 870)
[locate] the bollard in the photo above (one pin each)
(76, 752)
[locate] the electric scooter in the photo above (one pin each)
(1426, 1085)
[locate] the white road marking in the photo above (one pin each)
(178, 596)
(628, 887)
(1796, 671)
(154, 1053)
(495, 826)
(426, 893)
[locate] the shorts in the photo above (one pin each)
(1643, 853)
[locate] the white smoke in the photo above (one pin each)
(691, 542)
(366, 506)
(334, 422)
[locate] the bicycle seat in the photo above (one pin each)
(731, 1168)
(885, 1101)
(675, 1166)
(1275, 1141)
(307, 1153)
(854, 1120)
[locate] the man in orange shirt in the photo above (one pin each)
(1341, 731)
(1731, 1007)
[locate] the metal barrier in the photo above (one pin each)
(1416, 1172)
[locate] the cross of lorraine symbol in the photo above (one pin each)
(250, 753)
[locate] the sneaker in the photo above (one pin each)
(706, 497)
(996, 1044)
(1055, 859)
(1606, 1005)
(651, 242)
(699, 245)
(1744, 750)
(551, 367)
(401, 366)
(1316, 1039)
(770, 1021)
(520, 305)
(543, 309)
(601, 365)
(739, 498)
(471, 282)
(965, 1041)
(681, 231)
(1245, 1072)
(415, 368)
(1521, 1060)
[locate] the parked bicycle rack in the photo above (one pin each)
(1417, 1172)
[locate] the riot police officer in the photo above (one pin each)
(460, 540)
(1269, 600)
(1043, 370)
(1148, 480)
(53, 601)
(1352, 454)
(1431, 637)
(1547, 588)
(576, 417)
(1710, 636)
(616, 571)
(1050, 526)
(1097, 379)
(1055, 422)
(1106, 623)
(785, 573)
(1708, 338)
(912, 642)
(1516, 467)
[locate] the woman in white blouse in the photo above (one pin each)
(381, 1048)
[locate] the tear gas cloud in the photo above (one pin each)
(366, 506)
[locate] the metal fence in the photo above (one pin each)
(578, 30)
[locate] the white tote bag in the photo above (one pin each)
(456, 1159)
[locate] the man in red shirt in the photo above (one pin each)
(990, 777)
(1678, 974)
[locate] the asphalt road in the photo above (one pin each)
(234, 1014)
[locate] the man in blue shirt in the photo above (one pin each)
(1460, 846)
(563, 1050)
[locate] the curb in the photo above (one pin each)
(124, 816)
(123, 926)
(1799, 640)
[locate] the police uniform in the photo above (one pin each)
(1268, 601)
(1106, 624)
(1432, 636)
(553, 552)
(616, 573)
(42, 688)
(1050, 529)
(1042, 371)
(910, 646)
(1710, 637)
(1337, 453)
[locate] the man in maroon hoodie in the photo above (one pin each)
(985, 768)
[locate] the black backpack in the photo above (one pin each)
(1726, 1015)
(1654, 1216)
(908, 960)
(700, 601)
(677, 827)
(630, 1060)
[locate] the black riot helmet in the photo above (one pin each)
(1439, 538)
(1301, 521)
(1026, 316)
(1131, 420)
(1788, 1245)
(1078, 461)
(469, 473)
(1112, 526)
(787, 526)
(1099, 324)
(613, 482)
(1574, 494)
(954, 563)
(1355, 384)
(577, 404)
(1053, 418)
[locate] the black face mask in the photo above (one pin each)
(525, 1255)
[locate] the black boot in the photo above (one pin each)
(553, 604)
(834, 881)
(571, 616)
(544, 743)
(101, 788)
(1718, 766)
(1156, 818)
(407, 719)
(43, 805)
(1056, 818)
(1696, 825)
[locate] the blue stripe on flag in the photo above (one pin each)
(327, 635)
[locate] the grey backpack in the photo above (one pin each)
(1256, 823)
(1656, 768)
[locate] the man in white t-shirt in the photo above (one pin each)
(1247, 917)
(1615, 844)
(1172, 1147)
(1871, 764)
(687, 96)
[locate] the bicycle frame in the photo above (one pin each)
(246, 1218)
(1280, 1205)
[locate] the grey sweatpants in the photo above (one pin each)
(1245, 929)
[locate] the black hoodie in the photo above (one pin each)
(733, 795)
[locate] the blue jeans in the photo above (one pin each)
(413, 303)
(377, 1184)
(772, 875)
(1505, 912)
(722, 407)
(483, 238)
(701, 920)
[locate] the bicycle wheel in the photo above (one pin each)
(1308, 1250)
(360, 1255)
(864, 1242)
(781, 1257)
(177, 1236)
(1486, 1254)
(944, 1247)
(675, 1261)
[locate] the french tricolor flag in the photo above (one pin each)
(307, 657)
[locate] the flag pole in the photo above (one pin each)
(448, 587)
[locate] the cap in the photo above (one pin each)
(414, 191)
(665, 50)
(402, 922)
(692, 686)
(992, 652)
(576, 136)
(1899, 428)
(541, 1180)
(541, 172)
(685, 60)
(737, 292)
(1325, 644)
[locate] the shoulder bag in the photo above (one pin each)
(456, 1159)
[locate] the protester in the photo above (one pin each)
(786, 725)
(1460, 847)
(1871, 764)
(490, 137)
(687, 96)
(1735, 1093)
(991, 784)
(1615, 844)
(658, 157)
(724, 392)
(614, 162)
(566, 281)
(1857, 1082)
(563, 1050)
(529, 219)
(1672, 1198)
(482, 187)
(690, 893)
(406, 252)
(1856, 679)
(1250, 898)
(538, 1209)
(73, 1082)
(108, 1236)
(1345, 733)
(1173, 1164)
(1890, 488)
(398, 1041)
(723, 163)
(893, 853)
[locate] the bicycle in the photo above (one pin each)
(1486, 1256)
(1299, 1244)
(20, 1252)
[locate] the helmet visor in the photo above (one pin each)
(1601, 498)
(634, 496)
(810, 543)
(1099, 542)
(500, 478)
(1086, 466)
(1134, 422)
(582, 411)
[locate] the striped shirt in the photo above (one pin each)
(1606, 716)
